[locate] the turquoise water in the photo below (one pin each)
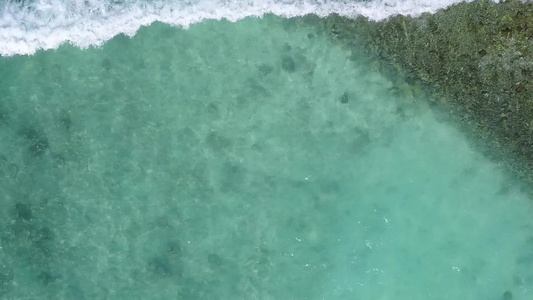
(247, 160)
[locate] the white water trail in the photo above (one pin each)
(26, 27)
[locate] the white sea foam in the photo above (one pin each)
(27, 26)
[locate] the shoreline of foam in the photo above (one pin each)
(47, 24)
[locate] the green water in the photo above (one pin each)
(248, 160)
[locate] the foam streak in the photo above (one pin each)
(46, 24)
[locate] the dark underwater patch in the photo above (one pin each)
(65, 120)
(160, 266)
(23, 211)
(265, 69)
(39, 147)
(215, 261)
(42, 238)
(38, 141)
(287, 64)
(345, 98)
(46, 278)
(507, 295)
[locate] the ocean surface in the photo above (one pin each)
(220, 150)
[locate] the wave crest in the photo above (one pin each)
(27, 26)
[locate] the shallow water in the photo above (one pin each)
(248, 160)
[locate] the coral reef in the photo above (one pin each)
(476, 60)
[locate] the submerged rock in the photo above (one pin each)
(288, 64)
(65, 120)
(38, 147)
(46, 278)
(507, 295)
(38, 141)
(345, 98)
(24, 211)
(265, 69)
